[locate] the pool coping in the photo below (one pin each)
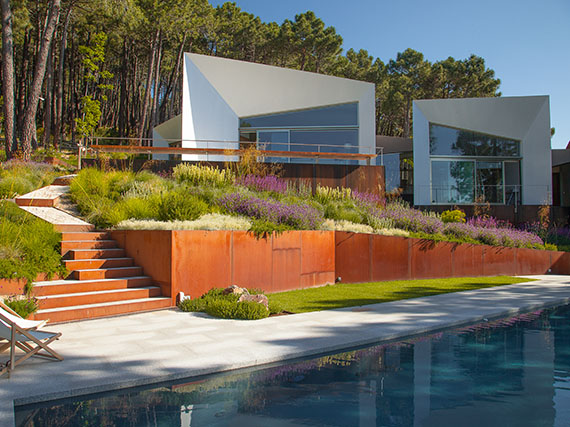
(508, 300)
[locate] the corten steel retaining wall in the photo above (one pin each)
(369, 257)
(194, 261)
(357, 177)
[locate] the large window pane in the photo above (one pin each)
(325, 141)
(490, 181)
(512, 183)
(335, 115)
(452, 181)
(278, 141)
(391, 170)
(445, 141)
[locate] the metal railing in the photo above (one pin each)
(219, 148)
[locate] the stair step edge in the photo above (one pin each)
(103, 304)
(106, 291)
(108, 269)
(77, 282)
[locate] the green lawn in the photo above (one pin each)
(354, 294)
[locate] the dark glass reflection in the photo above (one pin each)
(445, 141)
(508, 372)
(452, 181)
(277, 141)
(490, 181)
(335, 115)
(325, 141)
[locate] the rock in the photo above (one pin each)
(259, 298)
(234, 289)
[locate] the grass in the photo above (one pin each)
(356, 294)
(28, 245)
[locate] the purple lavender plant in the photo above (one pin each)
(370, 199)
(263, 183)
(412, 219)
(298, 216)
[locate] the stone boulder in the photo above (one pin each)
(234, 289)
(259, 298)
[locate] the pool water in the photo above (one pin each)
(508, 372)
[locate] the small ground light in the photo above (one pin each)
(338, 279)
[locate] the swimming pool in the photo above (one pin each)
(507, 372)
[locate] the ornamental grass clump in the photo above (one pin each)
(301, 216)
(202, 175)
(17, 177)
(269, 183)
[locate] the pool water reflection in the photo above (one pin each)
(508, 372)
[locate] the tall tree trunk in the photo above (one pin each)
(8, 79)
(123, 114)
(39, 73)
(154, 110)
(60, 77)
(173, 77)
(148, 85)
(48, 101)
(25, 63)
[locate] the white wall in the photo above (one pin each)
(207, 119)
(165, 133)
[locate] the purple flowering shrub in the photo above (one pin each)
(365, 198)
(493, 235)
(300, 216)
(412, 219)
(263, 183)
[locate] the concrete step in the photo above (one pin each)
(55, 287)
(95, 253)
(85, 264)
(97, 297)
(106, 273)
(63, 180)
(94, 235)
(91, 311)
(72, 228)
(44, 197)
(87, 244)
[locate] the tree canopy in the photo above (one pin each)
(113, 67)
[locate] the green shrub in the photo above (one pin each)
(28, 245)
(216, 304)
(453, 216)
(198, 175)
(23, 306)
(275, 307)
(343, 211)
(262, 228)
(245, 310)
(181, 205)
(325, 195)
(17, 178)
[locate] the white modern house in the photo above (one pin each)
(495, 150)
(226, 101)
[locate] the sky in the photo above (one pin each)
(526, 42)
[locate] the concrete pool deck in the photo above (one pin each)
(146, 348)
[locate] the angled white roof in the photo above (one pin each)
(253, 89)
(510, 117)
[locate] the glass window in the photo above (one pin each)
(278, 141)
(335, 115)
(512, 183)
(445, 141)
(391, 170)
(325, 141)
(490, 181)
(452, 181)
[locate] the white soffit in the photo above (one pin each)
(252, 89)
(509, 117)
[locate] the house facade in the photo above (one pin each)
(227, 104)
(482, 150)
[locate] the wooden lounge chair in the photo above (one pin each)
(32, 342)
(28, 325)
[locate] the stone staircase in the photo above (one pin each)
(102, 282)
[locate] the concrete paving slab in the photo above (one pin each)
(145, 348)
(51, 192)
(54, 216)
